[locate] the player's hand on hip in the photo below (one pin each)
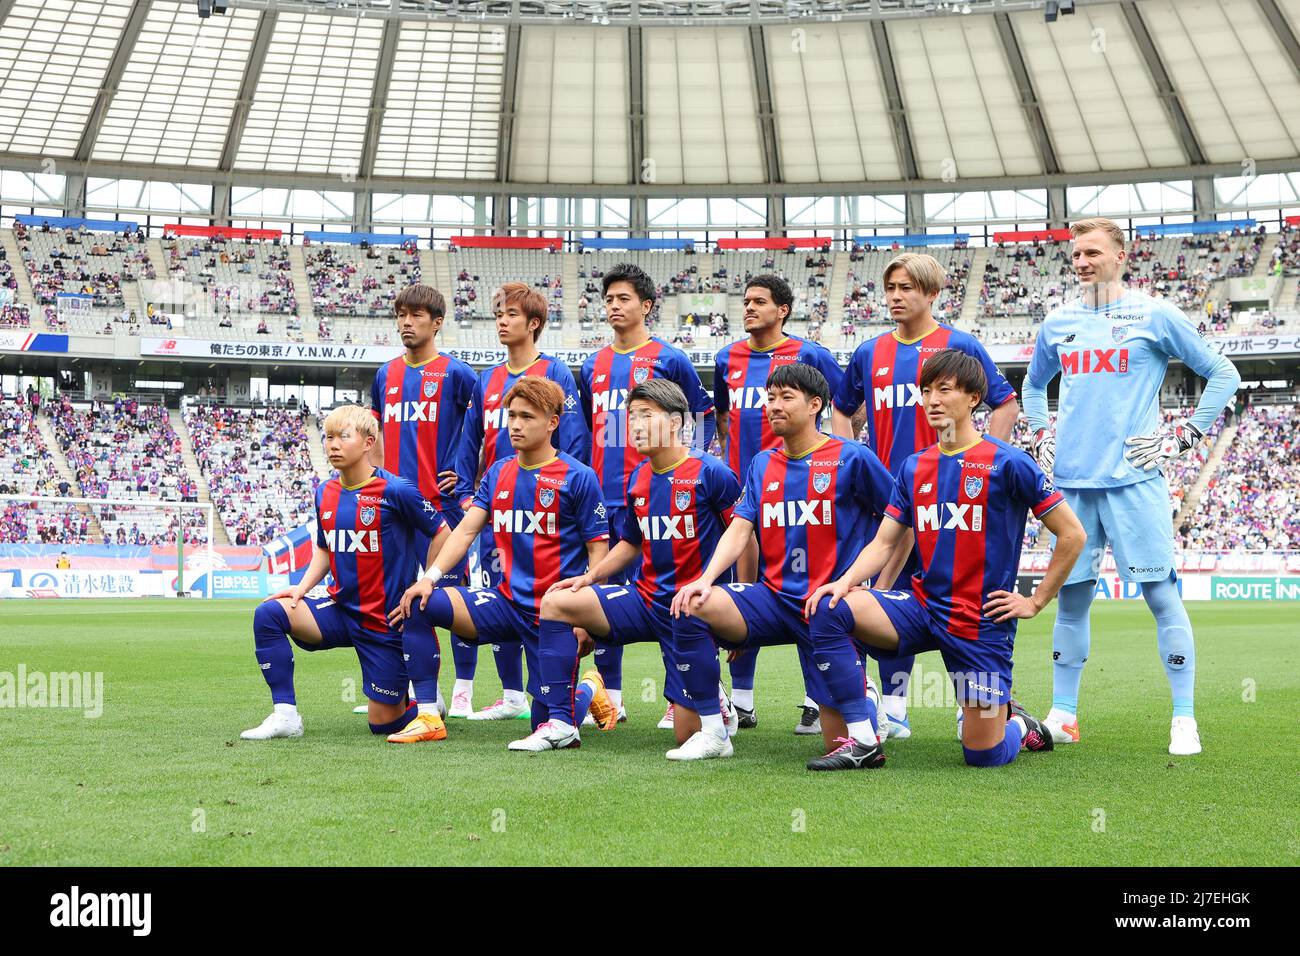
(1044, 445)
(573, 584)
(690, 597)
(447, 481)
(1169, 441)
(1009, 605)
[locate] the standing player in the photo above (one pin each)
(549, 523)
(521, 316)
(678, 502)
(1111, 347)
(886, 372)
(369, 523)
(965, 500)
(740, 374)
(606, 379)
(420, 400)
(814, 501)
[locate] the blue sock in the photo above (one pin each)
(1071, 638)
(831, 629)
(694, 648)
(609, 661)
(1003, 753)
(557, 647)
(509, 656)
(394, 726)
(420, 644)
(1174, 638)
(274, 653)
(464, 656)
(582, 702)
(539, 714)
(896, 675)
(742, 670)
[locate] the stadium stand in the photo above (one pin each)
(865, 312)
(258, 468)
(78, 260)
(27, 468)
(237, 276)
(125, 449)
(480, 272)
(357, 280)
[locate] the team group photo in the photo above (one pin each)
(848, 435)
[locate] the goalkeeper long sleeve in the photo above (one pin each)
(1220, 386)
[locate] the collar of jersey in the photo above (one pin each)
(903, 341)
(543, 464)
(1098, 310)
(410, 364)
(633, 349)
(347, 487)
(671, 467)
(515, 371)
(786, 452)
(774, 345)
(958, 451)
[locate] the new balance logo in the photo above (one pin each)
(882, 371)
(525, 522)
(410, 411)
(667, 528)
(1092, 361)
(903, 395)
(926, 488)
(503, 494)
(737, 374)
(394, 390)
(326, 516)
(956, 517)
(347, 541)
(792, 514)
(773, 486)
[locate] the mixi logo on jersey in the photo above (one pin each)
(1092, 361)
(902, 395)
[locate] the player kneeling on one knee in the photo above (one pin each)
(965, 500)
(368, 521)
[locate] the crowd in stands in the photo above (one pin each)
(78, 260)
(359, 280)
(258, 467)
(1286, 255)
(27, 468)
(235, 275)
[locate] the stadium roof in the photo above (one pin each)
(649, 95)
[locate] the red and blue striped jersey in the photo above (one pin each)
(676, 518)
(485, 425)
(885, 372)
(604, 383)
(968, 510)
(542, 519)
(740, 374)
(371, 533)
(813, 514)
(421, 412)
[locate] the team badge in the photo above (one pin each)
(1119, 332)
(639, 375)
(367, 515)
(821, 482)
(682, 499)
(974, 485)
(546, 497)
(430, 387)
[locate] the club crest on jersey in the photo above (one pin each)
(1119, 332)
(639, 375)
(367, 515)
(682, 499)
(430, 388)
(821, 482)
(974, 485)
(546, 497)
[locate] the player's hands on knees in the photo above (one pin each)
(447, 481)
(1009, 605)
(421, 589)
(573, 584)
(689, 597)
(293, 595)
(835, 590)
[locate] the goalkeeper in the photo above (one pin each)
(1112, 346)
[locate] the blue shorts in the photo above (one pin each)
(383, 668)
(615, 515)
(632, 621)
(1135, 520)
(497, 620)
(773, 619)
(980, 670)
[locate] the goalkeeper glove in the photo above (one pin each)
(1169, 441)
(1045, 450)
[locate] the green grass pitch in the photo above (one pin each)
(162, 777)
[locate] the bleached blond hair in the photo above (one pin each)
(361, 420)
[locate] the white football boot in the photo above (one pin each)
(462, 705)
(1062, 731)
(702, 745)
(547, 736)
(666, 722)
(277, 725)
(1184, 739)
(501, 710)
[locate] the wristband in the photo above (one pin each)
(432, 575)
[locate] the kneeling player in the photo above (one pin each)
(813, 501)
(678, 503)
(548, 523)
(368, 521)
(966, 499)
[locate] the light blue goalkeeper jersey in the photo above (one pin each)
(1112, 362)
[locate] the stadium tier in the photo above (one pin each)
(235, 276)
(477, 273)
(352, 280)
(28, 468)
(82, 261)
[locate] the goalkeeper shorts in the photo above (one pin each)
(1135, 520)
